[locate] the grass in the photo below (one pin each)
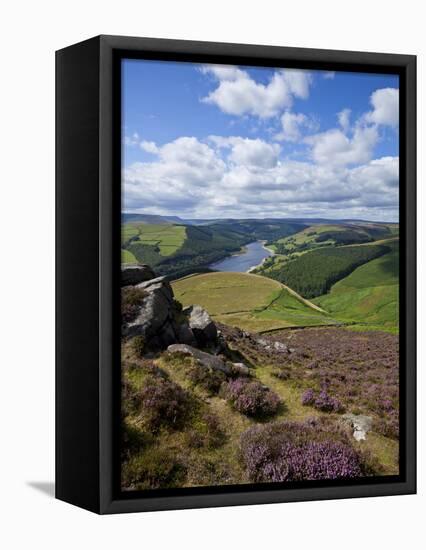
(127, 257)
(248, 301)
(168, 237)
(369, 295)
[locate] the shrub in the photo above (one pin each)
(133, 440)
(388, 426)
(131, 300)
(207, 432)
(326, 403)
(162, 403)
(252, 398)
(138, 345)
(323, 401)
(208, 378)
(308, 398)
(154, 468)
(293, 451)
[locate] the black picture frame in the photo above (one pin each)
(88, 187)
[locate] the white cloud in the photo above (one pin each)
(238, 94)
(385, 103)
(133, 140)
(249, 152)
(336, 148)
(292, 124)
(344, 118)
(149, 147)
(329, 75)
(239, 177)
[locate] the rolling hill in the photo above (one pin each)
(369, 295)
(250, 302)
(313, 273)
(323, 235)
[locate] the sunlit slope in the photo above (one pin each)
(251, 302)
(369, 295)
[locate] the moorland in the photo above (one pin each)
(315, 325)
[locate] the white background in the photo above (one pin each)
(30, 32)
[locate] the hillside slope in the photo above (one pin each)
(369, 295)
(251, 302)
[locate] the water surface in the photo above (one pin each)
(252, 256)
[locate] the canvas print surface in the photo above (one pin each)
(260, 255)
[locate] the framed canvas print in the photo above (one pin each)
(235, 274)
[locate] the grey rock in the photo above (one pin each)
(280, 347)
(240, 368)
(203, 359)
(159, 286)
(360, 423)
(135, 274)
(262, 342)
(201, 324)
(168, 334)
(154, 312)
(185, 335)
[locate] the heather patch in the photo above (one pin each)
(162, 403)
(353, 371)
(251, 398)
(296, 451)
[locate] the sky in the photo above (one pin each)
(221, 141)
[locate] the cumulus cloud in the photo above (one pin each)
(385, 103)
(133, 140)
(235, 176)
(149, 147)
(248, 152)
(292, 125)
(337, 148)
(239, 94)
(344, 118)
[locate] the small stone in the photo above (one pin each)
(360, 423)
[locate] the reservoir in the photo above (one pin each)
(253, 255)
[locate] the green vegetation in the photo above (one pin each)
(168, 238)
(314, 273)
(369, 295)
(127, 257)
(248, 301)
(176, 249)
(323, 235)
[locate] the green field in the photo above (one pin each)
(167, 237)
(370, 294)
(127, 257)
(248, 301)
(324, 235)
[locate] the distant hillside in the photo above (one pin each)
(149, 218)
(178, 249)
(370, 294)
(313, 273)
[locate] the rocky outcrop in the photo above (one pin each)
(360, 423)
(201, 325)
(203, 359)
(210, 361)
(269, 345)
(134, 274)
(160, 319)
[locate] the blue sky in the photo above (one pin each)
(223, 141)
